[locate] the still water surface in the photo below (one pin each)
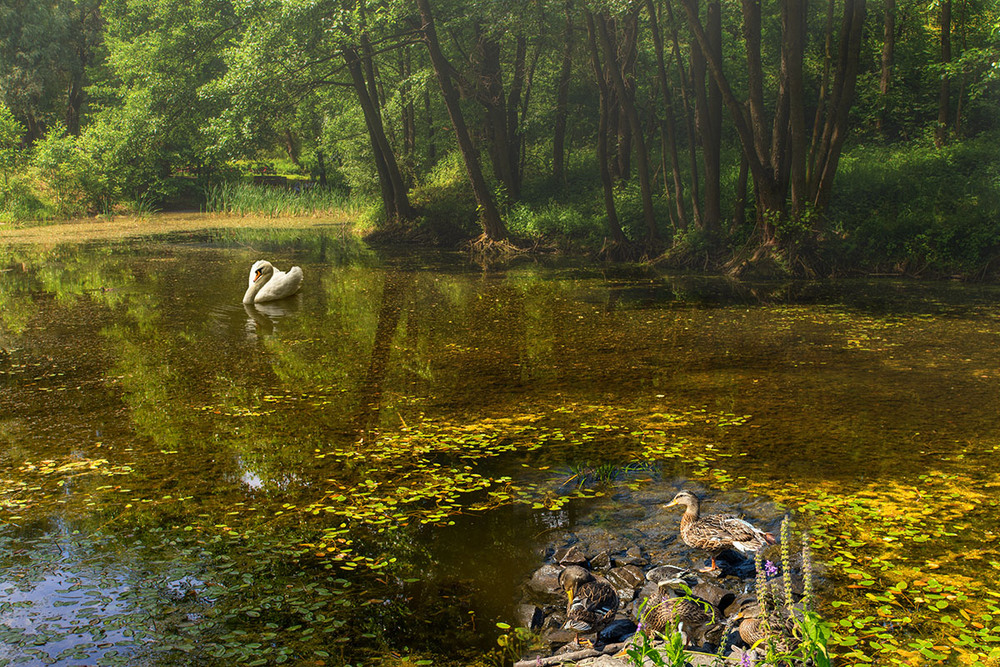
(369, 469)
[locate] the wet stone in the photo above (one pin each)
(573, 555)
(632, 556)
(546, 579)
(529, 616)
(616, 631)
(600, 561)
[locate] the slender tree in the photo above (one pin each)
(493, 226)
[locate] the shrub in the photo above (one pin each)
(71, 175)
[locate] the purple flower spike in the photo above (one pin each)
(745, 661)
(770, 569)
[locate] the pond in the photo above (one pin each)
(366, 473)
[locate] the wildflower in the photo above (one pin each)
(770, 569)
(745, 660)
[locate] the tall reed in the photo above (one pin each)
(240, 198)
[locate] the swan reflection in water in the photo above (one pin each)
(263, 316)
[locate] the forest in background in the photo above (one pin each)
(777, 137)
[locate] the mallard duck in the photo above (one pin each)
(591, 603)
(688, 616)
(717, 532)
(753, 630)
(268, 284)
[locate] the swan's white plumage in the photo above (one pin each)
(268, 284)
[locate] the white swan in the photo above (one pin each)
(268, 284)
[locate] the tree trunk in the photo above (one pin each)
(888, 52)
(792, 54)
(688, 119)
(841, 99)
(394, 196)
(562, 100)
(493, 225)
(607, 185)
(669, 122)
(501, 113)
(628, 106)
(711, 149)
(824, 91)
(941, 132)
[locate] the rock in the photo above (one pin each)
(557, 637)
(716, 595)
(661, 572)
(625, 581)
(616, 631)
(633, 556)
(529, 616)
(600, 561)
(546, 579)
(603, 661)
(629, 575)
(573, 555)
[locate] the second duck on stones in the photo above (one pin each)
(717, 532)
(591, 602)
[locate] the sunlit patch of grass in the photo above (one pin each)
(240, 198)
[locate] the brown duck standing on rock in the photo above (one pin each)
(591, 604)
(717, 532)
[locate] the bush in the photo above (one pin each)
(446, 201)
(555, 219)
(18, 202)
(71, 176)
(919, 207)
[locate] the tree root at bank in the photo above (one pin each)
(484, 246)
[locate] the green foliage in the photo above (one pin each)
(72, 177)
(555, 220)
(446, 203)
(643, 651)
(513, 643)
(19, 202)
(241, 198)
(917, 208)
(10, 142)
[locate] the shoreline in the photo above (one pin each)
(127, 227)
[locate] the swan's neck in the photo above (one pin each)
(254, 288)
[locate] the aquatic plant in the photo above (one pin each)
(513, 643)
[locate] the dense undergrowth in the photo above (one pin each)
(902, 209)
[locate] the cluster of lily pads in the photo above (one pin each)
(912, 576)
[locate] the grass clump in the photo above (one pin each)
(918, 209)
(241, 198)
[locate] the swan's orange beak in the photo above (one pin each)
(256, 275)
